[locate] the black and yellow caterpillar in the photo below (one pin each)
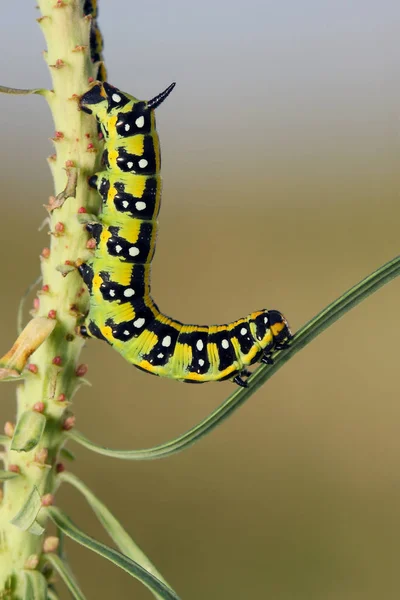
(122, 312)
(90, 8)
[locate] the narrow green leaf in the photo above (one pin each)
(67, 454)
(113, 527)
(21, 92)
(35, 585)
(66, 575)
(28, 431)
(25, 519)
(125, 563)
(51, 595)
(302, 338)
(4, 475)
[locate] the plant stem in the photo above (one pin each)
(53, 379)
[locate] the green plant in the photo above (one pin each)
(44, 422)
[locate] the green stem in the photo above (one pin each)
(303, 337)
(52, 379)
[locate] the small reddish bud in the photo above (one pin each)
(59, 227)
(69, 423)
(59, 64)
(45, 288)
(60, 468)
(79, 48)
(52, 199)
(90, 79)
(60, 4)
(9, 429)
(90, 146)
(36, 303)
(100, 135)
(82, 210)
(62, 398)
(52, 314)
(52, 157)
(69, 163)
(51, 544)
(81, 370)
(47, 500)
(70, 263)
(32, 368)
(38, 407)
(57, 361)
(88, 135)
(14, 468)
(91, 244)
(46, 252)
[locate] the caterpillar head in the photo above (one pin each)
(104, 100)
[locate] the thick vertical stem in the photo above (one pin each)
(53, 377)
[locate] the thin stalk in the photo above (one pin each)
(52, 377)
(303, 337)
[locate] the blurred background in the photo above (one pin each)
(281, 189)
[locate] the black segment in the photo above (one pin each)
(91, 97)
(116, 99)
(262, 325)
(165, 346)
(139, 252)
(243, 335)
(129, 329)
(197, 340)
(226, 351)
(142, 208)
(137, 120)
(103, 187)
(95, 331)
(144, 164)
(112, 291)
(86, 273)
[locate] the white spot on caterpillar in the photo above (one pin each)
(201, 362)
(130, 165)
(129, 292)
(119, 123)
(125, 203)
(139, 122)
(139, 322)
(116, 97)
(143, 163)
(118, 248)
(161, 355)
(167, 341)
(199, 345)
(243, 331)
(225, 344)
(126, 332)
(127, 127)
(265, 320)
(140, 205)
(133, 251)
(112, 293)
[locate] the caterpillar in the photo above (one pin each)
(90, 8)
(122, 311)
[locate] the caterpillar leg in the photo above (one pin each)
(267, 359)
(240, 382)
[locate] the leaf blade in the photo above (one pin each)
(66, 575)
(131, 567)
(113, 527)
(28, 431)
